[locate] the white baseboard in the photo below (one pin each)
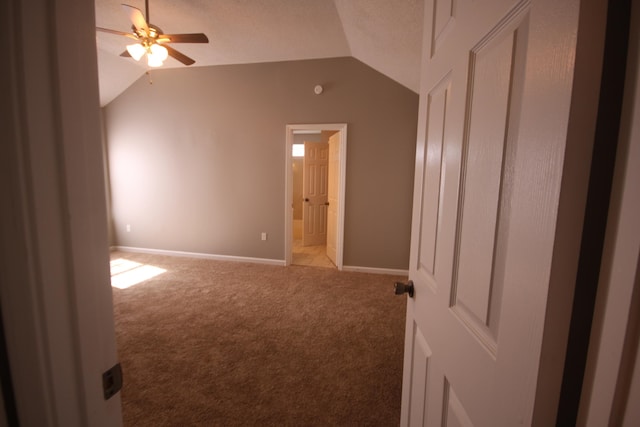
(374, 270)
(199, 255)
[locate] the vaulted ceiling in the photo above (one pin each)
(384, 34)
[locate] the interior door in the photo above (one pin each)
(315, 192)
(333, 200)
(494, 113)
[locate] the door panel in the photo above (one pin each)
(419, 365)
(315, 192)
(443, 21)
(437, 111)
(454, 414)
(485, 207)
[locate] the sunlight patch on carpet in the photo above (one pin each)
(125, 273)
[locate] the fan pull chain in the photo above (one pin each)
(149, 75)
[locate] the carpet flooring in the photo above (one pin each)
(212, 343)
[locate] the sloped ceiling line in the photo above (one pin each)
(384, 34)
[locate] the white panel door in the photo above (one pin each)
(494, 109)
(333, 200)
(314, 192)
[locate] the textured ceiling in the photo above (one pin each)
(384, 34)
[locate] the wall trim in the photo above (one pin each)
(278, 262)
(375, 270)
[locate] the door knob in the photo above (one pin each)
(306, 199)
(401, 288)
(326, 203)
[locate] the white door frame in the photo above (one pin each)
(288, 199)
(604, 397)
(56, 295)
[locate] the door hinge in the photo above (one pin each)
(112, 381)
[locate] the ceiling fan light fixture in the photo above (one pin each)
(150, 37)
(154, 61)
(156, 55)
(159, 52)
(136, 51)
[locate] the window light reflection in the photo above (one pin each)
(125, 273)
(297, 150)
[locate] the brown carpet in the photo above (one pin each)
(211, 343)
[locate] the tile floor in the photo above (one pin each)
(310, 255)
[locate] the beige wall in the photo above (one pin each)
(107, 188)
(197, 158)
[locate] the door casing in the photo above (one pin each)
(288, 200)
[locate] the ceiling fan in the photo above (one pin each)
(150, 39)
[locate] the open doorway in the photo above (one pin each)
(300, 247)
(314, 167)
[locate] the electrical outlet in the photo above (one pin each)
(264, 236)
(128, 228)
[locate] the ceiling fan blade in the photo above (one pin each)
(119, 33)
(185, 38)
(179, 56)
(137, 18)
(126, 54)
